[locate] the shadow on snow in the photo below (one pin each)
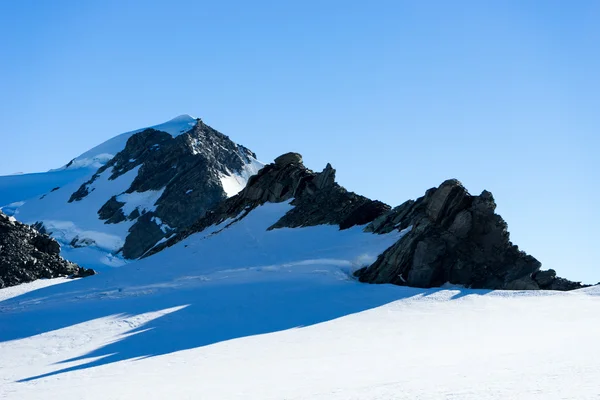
(204, 315)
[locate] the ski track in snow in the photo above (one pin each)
(238, 312)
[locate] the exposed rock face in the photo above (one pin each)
(180, 185)
(458, 238)
(317, 198)
(185, 174)
(449, 235)
(27, 255)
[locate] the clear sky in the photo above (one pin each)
(397, 95)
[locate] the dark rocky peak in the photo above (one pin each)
(186, 173)
(316, 197)
(453, 236)
(139, 148)
(326, 178)
(27, 255)
(448, 235)
(279, 181)
(217, 149)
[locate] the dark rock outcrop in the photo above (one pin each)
(288, 158)
(112, 211)
(452, 236)
(448, 234)
(27, 255)
(316, 197)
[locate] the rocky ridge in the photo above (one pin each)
(453, 236)
(450, 236)
(27, 255)
(316, 197)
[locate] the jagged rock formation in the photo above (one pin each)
(184, 173)
(317, 198)
(458, 238)
(27, 255)
(449, 235)
(171, 185)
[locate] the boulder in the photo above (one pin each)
(288, 158)
(545, 278)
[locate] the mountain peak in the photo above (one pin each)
(101, 154)
(183, 118)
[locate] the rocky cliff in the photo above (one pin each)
(449, 234)
(27, 255)
(453, 236)
(316, 197)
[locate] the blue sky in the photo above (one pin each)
(397, 95)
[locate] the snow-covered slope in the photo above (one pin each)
(79, 220)
(101, 154)
(21, 187)
(237, 311)
(100, 207)
(16, 189)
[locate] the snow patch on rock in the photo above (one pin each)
(142, 201)
(235, 182)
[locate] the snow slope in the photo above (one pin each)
(102, 153)
(84, 238)
(17, 188)
(240, 312)
(79, 220)
(233, 183)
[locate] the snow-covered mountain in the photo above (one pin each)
(19, 187)
(151, 188)
(245, 280)
(117, 200)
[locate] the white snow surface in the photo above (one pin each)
(79, 219)
(235, 182)
(15, 189)
(22, 187)
(44, 198)
(141, 201)
(101, 154)
(239, 312)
